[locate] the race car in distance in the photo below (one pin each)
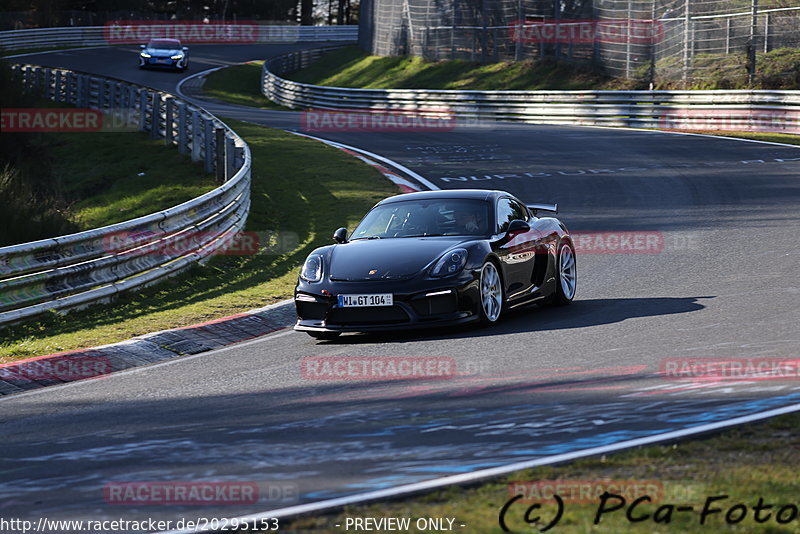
(434, 258)
(166, 53)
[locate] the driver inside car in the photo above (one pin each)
(466, 220)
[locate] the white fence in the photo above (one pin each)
(752, 110)
(81, 268)
(105, 35)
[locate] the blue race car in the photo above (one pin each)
(164, 53)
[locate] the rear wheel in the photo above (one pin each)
(492, 296)
(324, 336)
(567, 282)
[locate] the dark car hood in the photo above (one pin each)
(391, 259)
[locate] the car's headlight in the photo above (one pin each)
(312, 269)
(177, 56)
(450, 263)
(145, 54)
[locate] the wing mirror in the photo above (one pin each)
(340, 235)
(516, 227)
(185, 48)
(142, 46)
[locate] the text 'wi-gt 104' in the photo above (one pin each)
(434, 258)
(164, 53)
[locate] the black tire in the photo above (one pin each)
(567, 270)
(324, 336)
(491, 293)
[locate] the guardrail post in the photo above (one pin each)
(142, 110)
(208, 145)
(183, 145)
(168, 122)
(101, 94)
(119, 96)
(79, 91)
(48, 84)
(132, 97)
(230, 157)
(72, 88)
(35, 83)
(59, 83)
(219, 153)
(196, 135)
(155, 114)
(110, 93)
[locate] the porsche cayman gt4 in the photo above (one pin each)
(436, 258)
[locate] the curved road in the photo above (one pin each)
(543, 382)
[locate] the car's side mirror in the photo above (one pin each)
(185, 48)
(142, 46)
(340, 235)
(516, 227)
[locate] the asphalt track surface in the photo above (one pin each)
(542, 382)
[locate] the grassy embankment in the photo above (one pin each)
(351, 67)
(240, 85)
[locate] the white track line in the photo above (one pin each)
(690, 133)
(475, 476)
(416, 176)
(196, 75)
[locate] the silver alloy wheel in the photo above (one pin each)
(568, 274)
(491, 292)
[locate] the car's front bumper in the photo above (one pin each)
(416, 304)
(162, 62)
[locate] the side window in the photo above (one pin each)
(509, 210)
(505, 214)
(520, 211)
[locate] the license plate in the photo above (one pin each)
(164, 61)
(355, 301)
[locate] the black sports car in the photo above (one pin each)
(434, 258)
(165, 53)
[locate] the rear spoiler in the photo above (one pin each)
(543, 207)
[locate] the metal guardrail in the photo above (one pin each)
(761, 110)
(97, 35)
(77, 269)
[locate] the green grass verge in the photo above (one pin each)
(107, 189)
(239, 84)
(745, 463)
(300, 187)
(351, 67)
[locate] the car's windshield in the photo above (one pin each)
(164, 43)
(417, 218)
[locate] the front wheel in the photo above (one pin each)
(492, 295)
(324, 336)
(567, 282)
